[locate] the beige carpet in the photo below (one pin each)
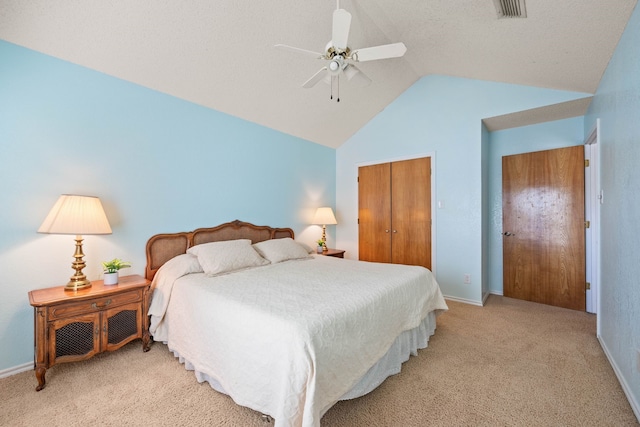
(510, 363)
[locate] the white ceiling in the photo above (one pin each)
(220, 54)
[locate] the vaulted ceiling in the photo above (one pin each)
(220, 53)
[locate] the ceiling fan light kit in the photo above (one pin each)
(341, 58)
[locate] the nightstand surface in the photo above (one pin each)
(336, 253)
(58, 294)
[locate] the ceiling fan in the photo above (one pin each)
(341, 57)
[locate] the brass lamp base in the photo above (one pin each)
(74, 285)
(324, 238)
(78, 280)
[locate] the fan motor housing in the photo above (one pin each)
(333, 52)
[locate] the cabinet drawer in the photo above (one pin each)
(98, 304)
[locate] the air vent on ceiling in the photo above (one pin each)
(510, 8)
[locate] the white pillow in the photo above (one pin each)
(278, 250)
(226, 256)
(306, 247)
(182, 265)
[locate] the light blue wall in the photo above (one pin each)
(439, 115)
(545, 136)
(159, 164)
(617, 105)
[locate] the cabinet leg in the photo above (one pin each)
(146, 342)
(40, 372)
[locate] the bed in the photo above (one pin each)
(279, 329)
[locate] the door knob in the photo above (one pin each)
(506, 233)
(395, 231)
(386, 231)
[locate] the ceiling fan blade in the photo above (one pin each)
(315, 78)
(394, 50)
(298, 50)
(353, 74)
(341, 24)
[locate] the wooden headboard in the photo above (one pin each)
(162, 247)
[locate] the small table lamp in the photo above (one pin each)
(76, 215)
(323, 217)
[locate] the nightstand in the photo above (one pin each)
(76, 325)
(336, 253)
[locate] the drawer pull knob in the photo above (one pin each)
(95, 305)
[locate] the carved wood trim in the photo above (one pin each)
(162, 247)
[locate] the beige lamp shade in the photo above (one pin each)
(76, 215)
(324, 216)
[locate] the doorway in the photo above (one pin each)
(593, 200)
(543, 227)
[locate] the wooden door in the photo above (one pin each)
(411, 212)
(394, 212)
(374, 213)
(543, 227)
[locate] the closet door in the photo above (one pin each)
(411, 212)
(394, 201)
(374, 213)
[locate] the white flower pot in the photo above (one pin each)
(111, 278)
(319, 249)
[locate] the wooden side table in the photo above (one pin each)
(76, 325)
(337, 253)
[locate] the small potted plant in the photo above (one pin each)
(111, 269)
(320, 247)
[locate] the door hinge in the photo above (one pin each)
(358, 221)
(587, 224)
(586, 163)
(358, 179)
(588, 286)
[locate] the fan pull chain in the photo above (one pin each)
(331, 97)
(337, 79)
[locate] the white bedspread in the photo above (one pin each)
(290, 339)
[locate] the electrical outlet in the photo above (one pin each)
(467, 278)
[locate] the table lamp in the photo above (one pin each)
(323, 217)
(77, 215)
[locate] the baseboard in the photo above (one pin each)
(463, 300)
(625, 387)
(486, 295)
(16, 370)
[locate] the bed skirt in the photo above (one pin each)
(406, 344)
